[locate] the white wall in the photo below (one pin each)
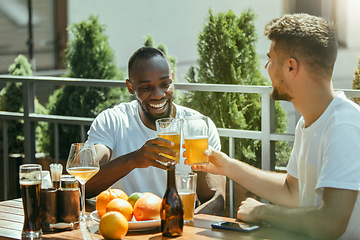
(348, 19)
(175, 23)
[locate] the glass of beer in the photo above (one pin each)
(195, 131)
(30, 185)
(170, 129)
(83, 164)
(186, 187)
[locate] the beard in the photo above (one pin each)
(276, 95)
(281, 92)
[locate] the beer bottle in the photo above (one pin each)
(172, 211)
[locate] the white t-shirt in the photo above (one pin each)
(121, 129)
(327, 154)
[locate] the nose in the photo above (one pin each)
(158, 93)
(266, 65)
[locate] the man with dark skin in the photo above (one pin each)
(126, 141)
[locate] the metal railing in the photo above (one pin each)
(267, 134)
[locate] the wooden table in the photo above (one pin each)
(11, 223)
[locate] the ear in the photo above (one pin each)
(172, 74)
(129, 87)
(293, 66)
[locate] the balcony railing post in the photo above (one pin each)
(29, 126)
(231, 182)
(265, 131)
(56, 133)
(82, 126)
(272, 130)
(6, 160)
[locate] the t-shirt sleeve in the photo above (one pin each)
(341, 161)
(100, 131)
(291, 167)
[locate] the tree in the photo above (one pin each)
(227, 50)
(356, 81)
(149, 42)
(11, 100)
(88, 55)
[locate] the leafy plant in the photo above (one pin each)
(356, 81)
(88, 55)
(227, 50)
(11, 100)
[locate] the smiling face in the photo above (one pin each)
(151, 82)
(275, 68)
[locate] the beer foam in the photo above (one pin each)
(31, 176)
(197, 137)
(29, 182)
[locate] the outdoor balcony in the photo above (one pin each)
(9, 165)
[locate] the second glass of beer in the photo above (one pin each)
(186, 187)
(30, 184)
(170, 129)
(195, 132)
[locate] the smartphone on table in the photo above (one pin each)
(235, 226)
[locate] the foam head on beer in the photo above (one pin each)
(30, 177)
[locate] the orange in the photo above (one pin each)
(147, 207)
(105, 197)
(134, 197)
(122, 206)
(113, 225)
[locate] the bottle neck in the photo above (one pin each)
(171, 177)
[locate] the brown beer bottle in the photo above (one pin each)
(172, 211)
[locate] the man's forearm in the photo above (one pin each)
(268, 185)
(311, 221)
(211, 193)
(215, 206)
(110, 172)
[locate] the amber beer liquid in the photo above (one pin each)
(175, 138)
(172, 211)
(188, 200)
(30, 193)
(195, 148)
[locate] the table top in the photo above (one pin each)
(12, 217)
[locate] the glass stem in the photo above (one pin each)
(82, 217)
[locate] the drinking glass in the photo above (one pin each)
(170, 129)
(195, 131)
(186, 187)
(30, 185)
(83, 164)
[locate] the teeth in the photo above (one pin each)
(158, 105)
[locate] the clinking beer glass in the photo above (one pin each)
(195, 131)
(170, 129)
(30, 184)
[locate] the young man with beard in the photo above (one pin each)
(126, 140)
(319, 194)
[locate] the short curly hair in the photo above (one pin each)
(144, 53)
(306, 38)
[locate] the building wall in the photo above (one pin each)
(14, 34)
(348, 20)
(174, 23)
